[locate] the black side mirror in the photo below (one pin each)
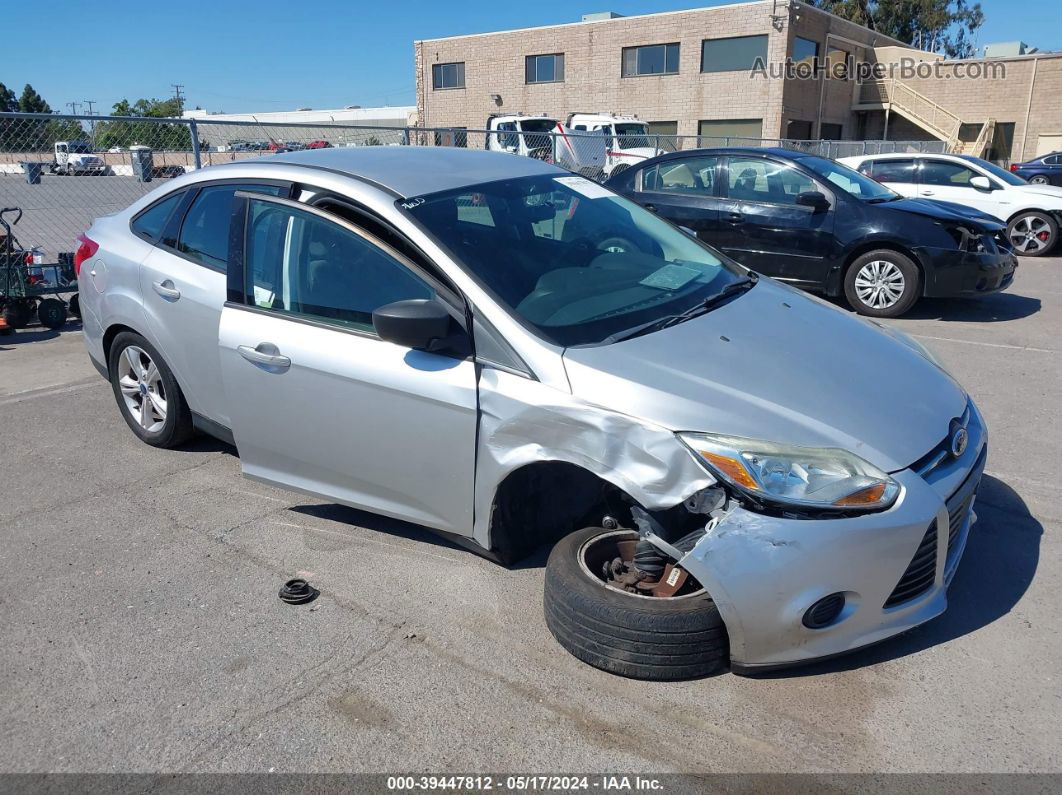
(813, 199)
(419, 323)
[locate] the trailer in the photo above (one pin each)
(31, 287)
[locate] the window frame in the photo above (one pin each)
(678, 59)
(434, 66)
(716, 192)
(706, 42)
(555, 56)
(724, 184)
(181, 195)
(814, 57)
(237, 293)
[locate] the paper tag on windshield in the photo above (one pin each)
(670, 277)
(589, 189)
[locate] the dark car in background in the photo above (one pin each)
(1042, 170)
(821, 226)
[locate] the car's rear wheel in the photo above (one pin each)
(1033, 234)
(1039, 179)
(635, 634)
(148, 396)
(882, 283)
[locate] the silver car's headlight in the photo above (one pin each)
(804, 477)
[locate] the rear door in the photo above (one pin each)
(900, 174)
(684, 191)
(318, 402)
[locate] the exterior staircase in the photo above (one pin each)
(927, 114)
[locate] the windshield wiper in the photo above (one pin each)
(883, 199)
(700, 308)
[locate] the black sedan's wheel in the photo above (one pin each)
(147, 393)
(633, 634)
(882, 283)
(1032, 234)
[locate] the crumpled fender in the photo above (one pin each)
(523, 421)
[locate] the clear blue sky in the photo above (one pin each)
(268, 55)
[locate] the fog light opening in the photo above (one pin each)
(824, 612)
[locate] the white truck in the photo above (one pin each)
(627, 138)
(545, 138)
(76, 157)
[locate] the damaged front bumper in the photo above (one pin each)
(892, 568)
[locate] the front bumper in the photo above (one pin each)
(953, 273)
(765, 572)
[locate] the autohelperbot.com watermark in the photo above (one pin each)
(836, 67)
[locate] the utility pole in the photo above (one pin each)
(92, 124)
(177, 95)
(73, 107)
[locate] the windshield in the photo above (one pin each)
(538, 125)
(632, 136)
(848, 180)
(79, 147)
(996, 171)
(570, 258)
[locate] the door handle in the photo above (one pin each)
(734, 218)
(266, 353)
(167, 290)
(927, 193)
(650, 207)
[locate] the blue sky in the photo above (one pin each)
(268, 55)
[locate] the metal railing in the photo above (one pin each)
(64, 171)
(921, 109)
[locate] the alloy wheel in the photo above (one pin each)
(880, 284)
(1039, 179)
(143, 390)
(1031, 233)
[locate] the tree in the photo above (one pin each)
(32, 102)
(941, 26)
(8, 101)
(154, 134)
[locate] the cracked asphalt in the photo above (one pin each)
(140, 628)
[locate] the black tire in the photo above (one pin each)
(18, 314)
(1039, 179)
(1026, 233)
(910, 284)
(617, 244)
(177, 427)
(635, 636)
(51, 312)
(75, 306)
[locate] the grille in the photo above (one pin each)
(921, 571)
(956, 516)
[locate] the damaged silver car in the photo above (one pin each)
(505, 352)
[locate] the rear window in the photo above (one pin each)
(150, 223)
(205, 231)
(891, 170)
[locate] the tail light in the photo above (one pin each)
(86, 248)
(1013, 166)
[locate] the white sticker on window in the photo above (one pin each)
(587, 188)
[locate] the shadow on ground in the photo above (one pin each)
(36, 334)
(990, 309)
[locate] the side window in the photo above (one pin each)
(941, 172)
(758, 180)
(695, 176)
(1053, 160)
(902, 171)
(204, 235)
(150, 223)
(300, 264)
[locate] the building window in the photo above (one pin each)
(751, 129)
(653, 59)
(840, 63)
(453, 136)
(805, 51)
(831, 132)
(737, 54)
(666, 135)
(448, 75)
(798, 130)
(544, 68)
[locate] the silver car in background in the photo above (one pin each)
(731, 471)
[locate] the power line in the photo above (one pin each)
(90, 103)
(177, 95)
(73, 107)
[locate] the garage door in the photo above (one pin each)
(1048, 143)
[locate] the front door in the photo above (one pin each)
(946, 180)
(318, 402)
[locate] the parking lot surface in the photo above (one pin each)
(141, 629)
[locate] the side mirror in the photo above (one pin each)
(420, 323)
(688, 231)
(813, 199)
(981, 183)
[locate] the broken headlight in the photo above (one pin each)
(805, 477)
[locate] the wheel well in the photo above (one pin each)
(108, 339)
(1049, 213)
(876, 246)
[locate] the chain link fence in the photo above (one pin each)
(64, 171)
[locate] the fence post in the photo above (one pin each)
(194, 132)
(405, 136)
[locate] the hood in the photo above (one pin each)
(1041, 190)
(776, 364)
(946, 211)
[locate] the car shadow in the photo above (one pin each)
(990, 309)
(1001, 556)
(335, 512)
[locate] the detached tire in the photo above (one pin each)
(51, 312)
(882, 283)
(642, 637)
(18, 313)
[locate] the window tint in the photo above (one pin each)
(544, 68)
(448, 75)
(839, 63)
(204, 233)
(805, 50)
(754, 179)
(890, 170)
(941, 172)
(737, 54)
(1053, 160)
(654, 59)
(152, 221)
(300, 264)
(695, 176)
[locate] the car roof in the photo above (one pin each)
(792, 154)
(410, 171)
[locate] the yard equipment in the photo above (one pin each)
(28, 285)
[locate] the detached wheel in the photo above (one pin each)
(18, 314)
(52, 313)
(1033, 234)
(630, 634)
(882, 283)
(150, 400)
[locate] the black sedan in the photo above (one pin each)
(1042, 170)
(821, 226)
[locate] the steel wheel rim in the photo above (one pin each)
(880, 284)
(1031, 233)
(616, 535)
(142, 388)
